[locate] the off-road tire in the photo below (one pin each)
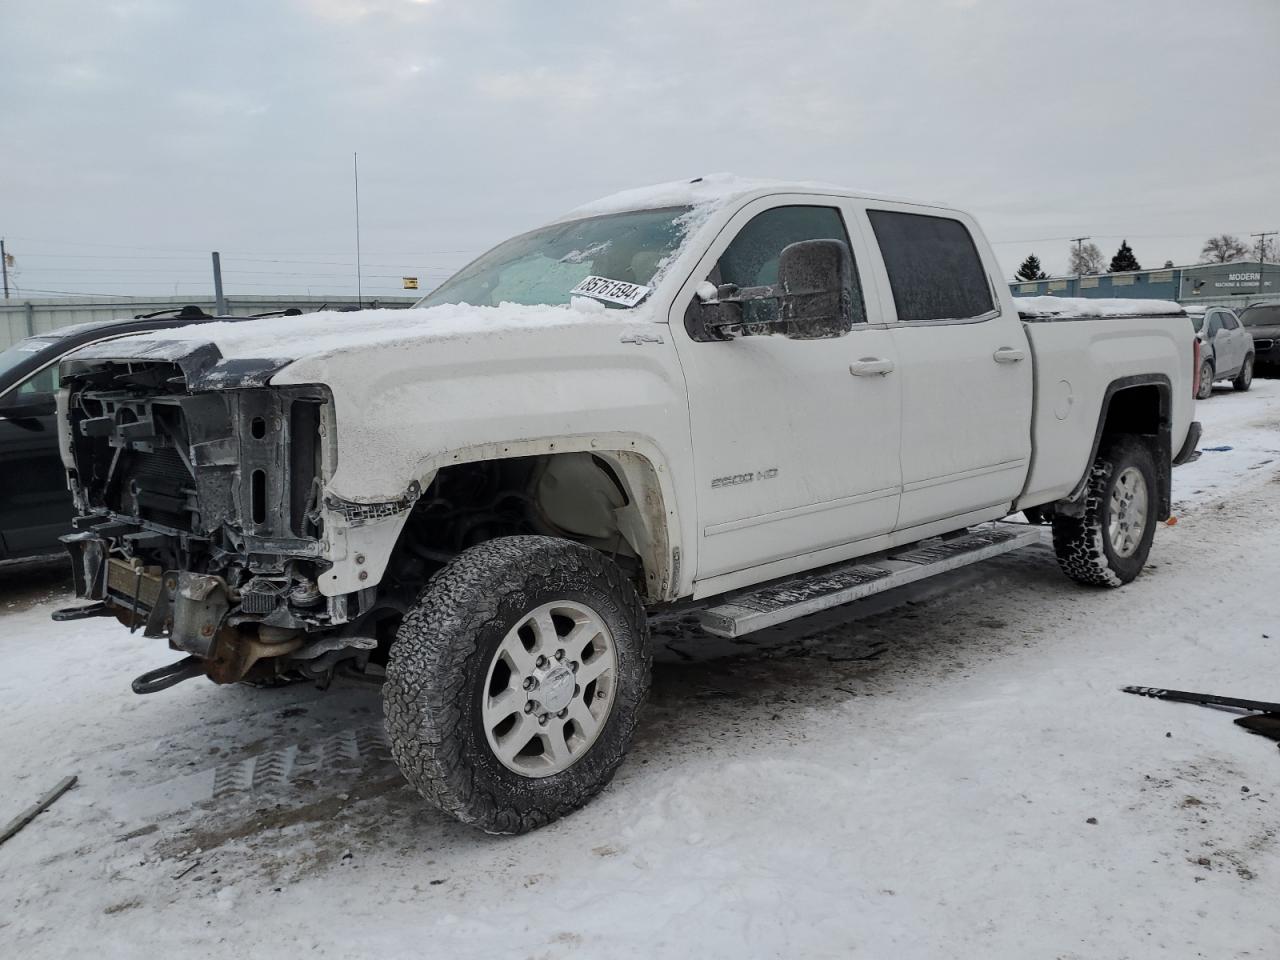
(436, 674)
(1206, 382)
(1244, 379)
(1082, 544)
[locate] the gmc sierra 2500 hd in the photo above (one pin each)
(757, 399)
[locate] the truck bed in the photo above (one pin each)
(1106, 342)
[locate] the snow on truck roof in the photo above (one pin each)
(707, 193)
(1049, 308)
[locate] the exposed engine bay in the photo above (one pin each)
(200, 512)
(201, 494)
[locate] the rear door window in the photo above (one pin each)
(1229, 320)
(933, 265)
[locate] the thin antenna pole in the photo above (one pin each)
(355, 172)
(4, 267)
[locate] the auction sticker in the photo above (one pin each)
(611, 291)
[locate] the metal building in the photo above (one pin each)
(1238, 283)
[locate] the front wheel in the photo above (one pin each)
(1244, 379)
(515, 682)
(1108, 546)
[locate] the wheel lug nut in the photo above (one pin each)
(563, 713)
(530, 683)
(528, 707)
(573, 665)
(559, 654)
(543, 719)
(540, 662)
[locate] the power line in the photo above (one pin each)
(202, 253)
(240, 257)
(1106, 236)
(193, 273)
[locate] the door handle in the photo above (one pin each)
(871, 367)
(1009, 355)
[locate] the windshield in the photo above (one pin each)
(1260, 316)
(22, 352)
(542, 266)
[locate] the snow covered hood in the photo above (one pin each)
(247, 353)
(1053, 308)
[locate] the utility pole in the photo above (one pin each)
(219, 301)
(1262, 252)
(1078, 241)
(355, 173)
(4, 267)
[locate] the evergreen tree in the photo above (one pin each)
(1030, 269)
(1124, 259)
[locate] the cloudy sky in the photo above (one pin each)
(138, 134)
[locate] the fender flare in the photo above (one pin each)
(1164, 440)
(641, 464)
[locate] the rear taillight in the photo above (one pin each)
(1195, 368)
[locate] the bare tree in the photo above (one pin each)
(1085, 258)
(1223, 249)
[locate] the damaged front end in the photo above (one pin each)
(199, 490)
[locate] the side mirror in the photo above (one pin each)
(25, 411)
(816, 277)
(814, 296)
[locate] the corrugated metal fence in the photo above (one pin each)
(24, 318)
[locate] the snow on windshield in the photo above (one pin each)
(542, 267)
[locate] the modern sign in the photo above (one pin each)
(1221, 279)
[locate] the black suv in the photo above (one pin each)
(1262, 320)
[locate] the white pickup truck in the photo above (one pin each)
(754, 400)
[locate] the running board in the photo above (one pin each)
(809, 593)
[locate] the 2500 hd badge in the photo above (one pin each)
(741, 478)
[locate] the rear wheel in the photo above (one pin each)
(1244, 379)
(515, 682)
(1206, 381)
(1108, 546)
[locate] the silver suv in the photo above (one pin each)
(1226, 349)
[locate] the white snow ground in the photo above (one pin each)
(914, 776)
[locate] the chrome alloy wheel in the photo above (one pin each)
(549, 689)
(1128, 520)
